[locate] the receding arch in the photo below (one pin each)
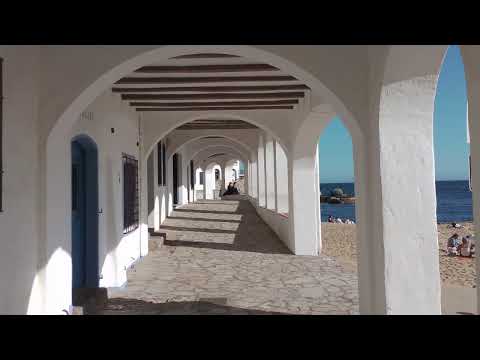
(57, 138)
(200, 137)
(224, 115)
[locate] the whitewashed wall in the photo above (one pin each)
(117, 251)
(20, 288)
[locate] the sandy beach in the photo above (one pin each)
(339, 242)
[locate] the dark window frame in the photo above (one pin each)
(164, 164)
(159, 164)
(192, 176)
(175, 177)
(131, 201)
(201, 176)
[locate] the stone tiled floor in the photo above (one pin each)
(221, 258)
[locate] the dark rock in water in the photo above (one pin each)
(323, 198)
(335, 200)
(349, 200)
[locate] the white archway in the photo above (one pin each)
(55, 200)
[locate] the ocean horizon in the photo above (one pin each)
(454, 201)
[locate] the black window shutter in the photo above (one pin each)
(159, 164)
(130, 194)
(192, 176)
(164, 165)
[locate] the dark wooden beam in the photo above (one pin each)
(217, 108)
(219, 127)
(207, 96)
(224, 122)
(216, 68)
(210, 88)
(205, 56)
(202, 79)
(215, 103)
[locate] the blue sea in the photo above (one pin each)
(454, 202)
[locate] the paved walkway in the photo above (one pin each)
(221, 258)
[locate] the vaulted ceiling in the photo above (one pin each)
(211, 82)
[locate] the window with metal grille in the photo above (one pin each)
(192, 175)
(130, 194)
(164, 164)
(1, 134)
(160, 163)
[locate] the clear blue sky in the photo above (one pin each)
(450, 146)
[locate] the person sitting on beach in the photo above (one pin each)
(453, 244)
(455, 225)
(339, 221)
(330, 219)
(465, 247)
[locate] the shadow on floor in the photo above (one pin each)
(207, 211)
(124, 306)
(183, 228)
(252, 234)
(204, 219)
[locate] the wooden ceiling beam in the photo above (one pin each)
(202, 79)
(210, 88)
(215, 68)
(214, 103)
(210, 96)
(219, 127)
(205, 56)
(217, 108)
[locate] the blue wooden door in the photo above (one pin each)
(78, 216)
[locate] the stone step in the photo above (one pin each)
(156, 239)
(88, 300)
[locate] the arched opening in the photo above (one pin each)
(84, 213)
(55, 162)
(212, 186)
(455, 227)
(337, 194)
(199, 183)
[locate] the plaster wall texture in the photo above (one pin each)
(277, 222)
(117, 251)
(20, 222)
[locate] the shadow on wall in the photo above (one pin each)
(110, 226)
(122, 306)
(110, 242)
(213, 229)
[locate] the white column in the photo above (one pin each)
(281, 171)
(151, 189)
(254, 178)
(270, 173)
(262, 196)
(408, 201)
(156, 192)
(303, 190)
(471, 59)
(209, 182)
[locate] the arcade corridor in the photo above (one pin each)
(219, 257)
